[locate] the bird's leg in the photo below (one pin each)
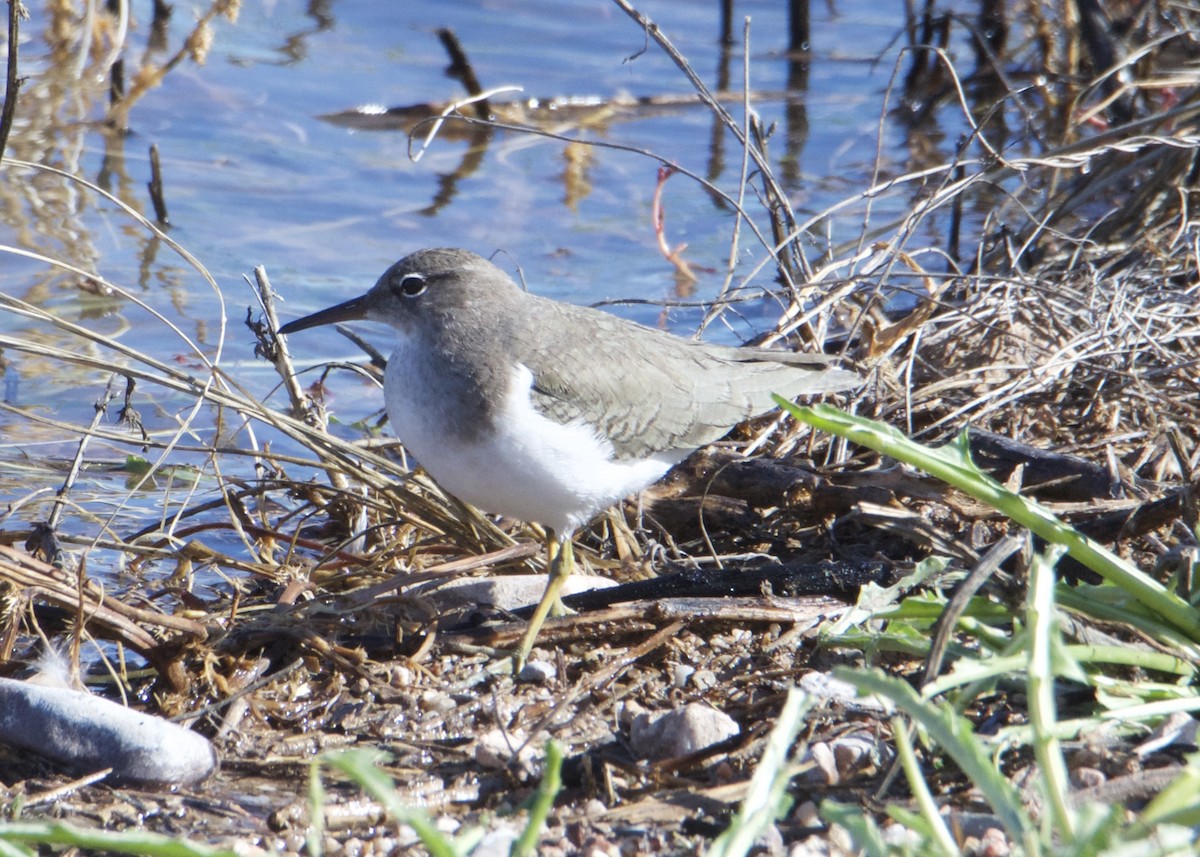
(561, 553)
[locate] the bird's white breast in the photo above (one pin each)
(525, 465)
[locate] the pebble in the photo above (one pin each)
(86, 732)
(497, 748)
(685, 730)
(824, 686)
(508, 592)
(537, 672)
(496, 843)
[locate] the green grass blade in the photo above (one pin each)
(361, 766)
(767, 797)
(1178, 803)
(140, 842)
(862, 828)
(954, 735)
(1043, 713)
(952, 464)
(936, 833)
(314, 836)
(542, 801)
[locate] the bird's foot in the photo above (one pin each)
(562, 563)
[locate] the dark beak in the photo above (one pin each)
(352, 310)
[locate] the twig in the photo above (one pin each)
(278, 354)
(66, 789)
(944, 627)
(45, 533)
(451, 110)
(128, 417)
(32, 576)
(739, 215)
(120, 10)
(702, 90)
(12, 83)
(116, 82)
(275, 348)
(774, 191)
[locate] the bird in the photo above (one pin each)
(549, 412)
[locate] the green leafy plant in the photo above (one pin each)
(1034, 653)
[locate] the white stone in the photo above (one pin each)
(680, 732)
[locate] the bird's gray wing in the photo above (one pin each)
(651, 392)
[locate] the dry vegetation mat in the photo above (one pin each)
(994, 542)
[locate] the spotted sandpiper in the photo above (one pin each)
(549, 412)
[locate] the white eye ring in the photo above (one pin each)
(409, 286)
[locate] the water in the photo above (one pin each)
(253, 177)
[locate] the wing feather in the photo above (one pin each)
(687, 395)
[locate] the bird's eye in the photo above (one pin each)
(409, 286)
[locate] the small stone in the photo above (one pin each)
(858, 752)
(770, 842)
(594, 807)
(537, 672)
(814, 846)
(509, 592)
(629, 710)
(401, 676)
(1087, 778)
(824, 686)
(496, 843)
(900, 837)
(824, 771)
(406, 837)
(840, 838)
(599, 846)
(806, 814)
(994, 843)
(680, 732)
(434, 700)
(497, 749)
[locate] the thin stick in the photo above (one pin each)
(774, 191)
(449, 111)
(101, 408)
(739, 214)
(282, 360)
(12, 83)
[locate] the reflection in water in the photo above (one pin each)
(294, 49)
(578, 158)
(796, 107)
(478, 137)
(567, 113)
